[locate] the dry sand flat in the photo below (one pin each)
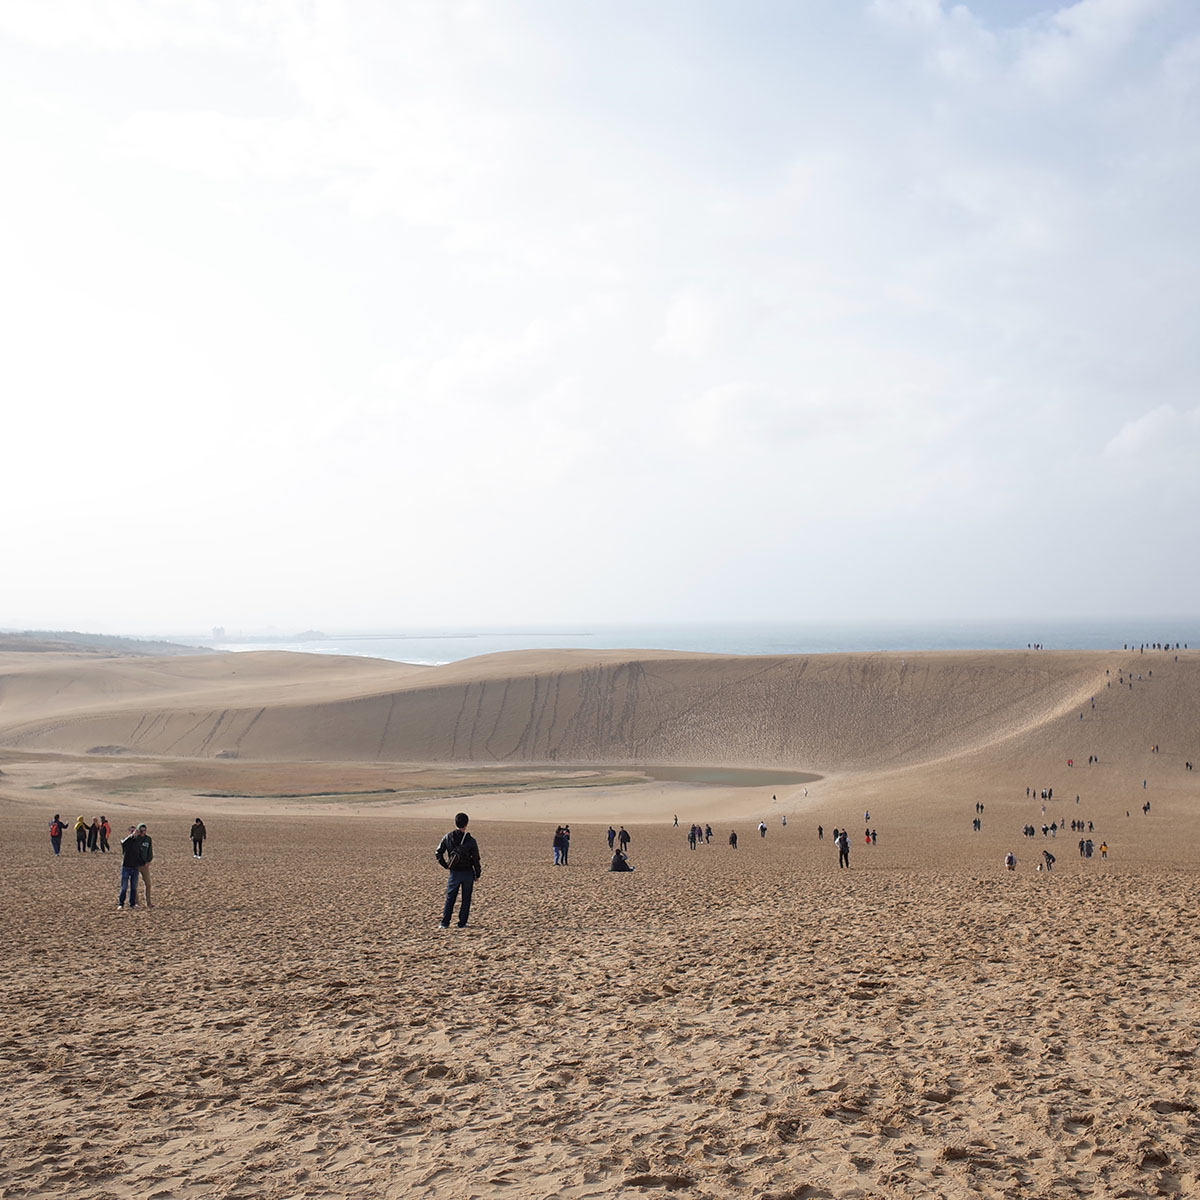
(287, 1022)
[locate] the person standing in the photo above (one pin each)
(458, 853)
(105, 830)
(612, 834)
(623, 840)
(81, 833)
(56, 832)
(733, 838)
(93, 841)
(843, 845)
(762, 829)
(566, 845)
(199, 833)
(146, 848)
(131, 860)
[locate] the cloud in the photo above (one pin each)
(438, 275)
(1164, 433)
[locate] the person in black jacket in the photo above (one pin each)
(458, 853)
(131, 861)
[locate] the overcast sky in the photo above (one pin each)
(374, 315)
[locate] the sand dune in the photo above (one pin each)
(822, 713)
(288, 1023)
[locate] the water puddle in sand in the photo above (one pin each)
(725, 776)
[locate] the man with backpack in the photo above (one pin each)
(56, 832)
(458, 853)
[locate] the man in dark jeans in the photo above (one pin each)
(458, 853)
(843, 845)
(131, 861)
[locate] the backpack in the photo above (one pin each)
(56, 829)
(458, 854)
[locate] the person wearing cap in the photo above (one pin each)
(131, 860)
(146, 849)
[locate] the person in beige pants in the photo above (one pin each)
(147, 851)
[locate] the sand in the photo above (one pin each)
(289, 1022)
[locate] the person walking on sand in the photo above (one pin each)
(733, 838)
(105, 830)
(146, 849)
(843, 845)
(131, 860)
(623, 839)
(762, 829)
(81, 833)
(93, 841)
(199, 833)
(612, 834)
(458, 853)
(56, 834)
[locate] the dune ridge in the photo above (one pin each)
(818, 712)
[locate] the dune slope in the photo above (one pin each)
(831, 713)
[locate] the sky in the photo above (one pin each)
(345, 314)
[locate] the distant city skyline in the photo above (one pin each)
(373, 316)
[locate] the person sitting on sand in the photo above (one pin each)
(619, 862)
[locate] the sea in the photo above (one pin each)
(437, 646)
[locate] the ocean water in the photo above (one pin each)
(433, 646)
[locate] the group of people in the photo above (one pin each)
(137, 851)
(89, 836)
(562, 845)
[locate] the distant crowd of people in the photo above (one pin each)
(137, 852)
